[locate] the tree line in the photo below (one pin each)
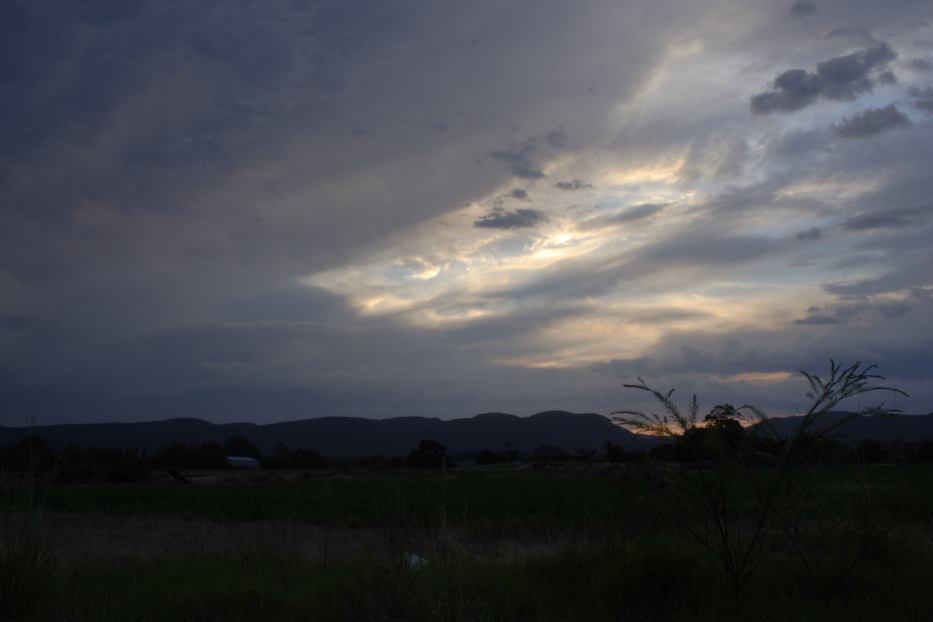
(721, 436)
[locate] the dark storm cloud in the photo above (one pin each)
(922, 98)
(277, 370)
(816, 319)
(813, 233)
(525, 157)
(171, 172)
(573, 185)
(890, 218)
(841, 78)
(521, 159)
(840, 313)
(920, 64)
(556, 138)
(521, 218)
(854, 34)
(519, 193)
(802, 8)
(29, 325)
(871, 122)
(912, 275)
(700, 352)
(169, 165)
(294, 303)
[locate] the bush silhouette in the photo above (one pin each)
(429, 455)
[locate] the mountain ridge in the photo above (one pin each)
(352, 436)
(357, 436)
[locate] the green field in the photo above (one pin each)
(587, 543)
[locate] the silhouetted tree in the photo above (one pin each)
(279, 459)
(181, 456)
(305, 459)
(211, 456)
(724, 434)
(126, 466)
(241, 446)
(615, 453)
(429, 455)
(488, 456)
(925, 452)
(29, 453)
(871, 451)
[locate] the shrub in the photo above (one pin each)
(737, 511)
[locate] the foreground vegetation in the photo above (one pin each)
(720, 525)
(644, 579)
(583, 543)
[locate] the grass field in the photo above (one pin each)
(577, 544)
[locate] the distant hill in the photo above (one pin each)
(351, 436)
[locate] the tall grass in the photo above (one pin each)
(657, 578)
(645, 566)
(741, 514)
(27, 560)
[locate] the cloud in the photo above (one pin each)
(911, 273)
(816, 319)
(690, 360)
(629, 214)
(890, 218)
(524, 158)
(556, 138)
(521, 218)
(802, 8)
(866, 310)
(715, 156)
(173, 175)
(520, 160)
(920, 64)
(922, 98)
(573, 185)
(842, 78)
(813, 233)
(519, 193)
(171, 166)
(676, 260)
(871, 122)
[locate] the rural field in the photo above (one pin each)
(636, 541)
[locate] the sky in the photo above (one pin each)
(271, 210)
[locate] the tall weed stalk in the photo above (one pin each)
(738, 509)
